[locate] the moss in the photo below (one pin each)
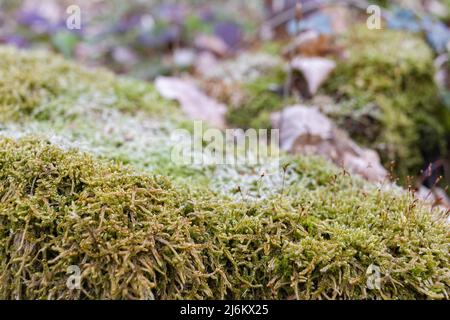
(261, 97)
(388, 78)
(45, 86)
(138, 236)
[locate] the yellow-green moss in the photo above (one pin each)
(46, 86)
(138, 236)
(394, 71)
(260, 99)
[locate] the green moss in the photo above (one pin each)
(115, 118)
(251, 85)
(45, 86)
(272, 47)
(138, 236)
(388, 79)
(258, 102)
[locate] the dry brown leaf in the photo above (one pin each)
(194, 102)
(212, 44)
(315, 70)
(305, 130)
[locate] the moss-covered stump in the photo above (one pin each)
(388, 98)
(137, 236)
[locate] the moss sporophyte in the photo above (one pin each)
(83, 183)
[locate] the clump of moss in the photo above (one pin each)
(46, 86)
(138, 236)
(259, 99)
(391, 74)
(254, 109)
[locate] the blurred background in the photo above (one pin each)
(145, 38)
(135, 37)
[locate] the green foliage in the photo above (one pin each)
(394, 71)
(176, 235)
(138, 236)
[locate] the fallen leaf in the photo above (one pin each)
(315, 70)
(311, 44)
(193, 102)
(184, 58)
(305, 130)
(211, 43)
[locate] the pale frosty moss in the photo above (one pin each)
(147, 145)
